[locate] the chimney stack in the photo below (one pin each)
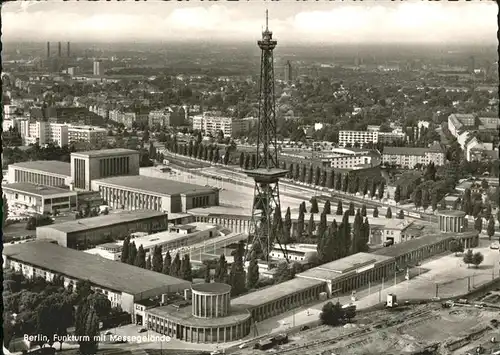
(59, 48)
(68, 48)
(48, 49)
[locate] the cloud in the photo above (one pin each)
(290, 22)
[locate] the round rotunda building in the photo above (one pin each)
(451, 221)
(209, 318)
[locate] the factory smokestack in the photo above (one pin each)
(48, 49)
(59, 48)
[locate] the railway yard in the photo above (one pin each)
(409, 329)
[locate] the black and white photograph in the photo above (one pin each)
(250, 177)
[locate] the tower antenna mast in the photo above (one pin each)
(266, 225)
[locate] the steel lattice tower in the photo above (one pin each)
(267, 172)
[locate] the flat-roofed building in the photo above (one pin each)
(89, 134)
(86, 233)
(123, 284)
(98, 164)
(40, 199)
(409, 157)
(46, 172)
(144, 192)
(213, 123)
(352, 272)
(457, 122)
(295, 252)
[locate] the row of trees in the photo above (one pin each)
(178, 267)
(196, 149)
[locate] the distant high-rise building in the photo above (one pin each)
(68, 49)
(288, 71)
(59, 49)
(98, 68)
(48, 49)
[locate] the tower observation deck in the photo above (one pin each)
(266, 226)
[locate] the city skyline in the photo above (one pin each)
(343, 23)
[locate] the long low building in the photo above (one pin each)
(39, 198)
(87, 232)
(133, 192)
(352, 272)
(123, 284)
(47, 172)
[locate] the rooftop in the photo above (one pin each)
(184, 316)
(106, 152)
(276, 292)
(104, 221)
(451, 213)
(405, 151)
(399, 249)
(49, 166)
(39, 190)
(337, 268)
(83, 266)
(154, 185)
(216, 288)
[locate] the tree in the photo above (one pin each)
(389, 213)
(401, 214)
(167, 262)
(381, 190)
(303, 173)
(175, 268)
(340, 210)
(345, 184)
(331, 314)
(283, 273)
(242, 160)
(324, 178)
(485, 185)
(132, 254)
(417, 197)
(221, 275)
(456, 247)
(356, 186)
(148, 263)
(101, 304)
(317, 176)
(443, 204)
(314, 205)
(300, 226)
(365, 187)
(352, 211)
(186, 272)
(373, 189)
(207, 272)
(425, 199)
(327, 209)
(302, 207)
(253, 272)
(338, 182)
(5, 210)
(140, 259)
(157, 263)
(247, 162)
(375, 212)
(467, 202)
(310, 175)
(287, 226)
(125, 250)
(468, 257)
(491, 227)
(87, 329)
(331, 180)
(311, 226)
(322, 226)
(478, 224)
(237, 274)
(397, 194)
(477, 259)
(357, 233)
(345, 235)
(363, 210)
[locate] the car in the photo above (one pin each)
(494, 246)
(142, 330)
(108, 332)
(304, 327)
(216, 352)
(243, 346)
(120, 341)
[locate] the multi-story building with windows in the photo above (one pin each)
(457, 122)
(371, 136)
(88, 134)
(160, 117)
(58, 134)
(144, 192)
(123, 284)
(98, 164)
(350, 158)
(40, 199)
(409, 157)
(213, 123)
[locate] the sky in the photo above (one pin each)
(291, 21)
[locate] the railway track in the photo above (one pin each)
(372, 329)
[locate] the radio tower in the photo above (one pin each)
(266, 172)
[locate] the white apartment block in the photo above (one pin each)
(58, 134)
(458, 122)
(364, 137)
(409, 157)
(89, 134)
(211, 123)
(98, 68)
(125, 118)
(353, 161)
(160, 117)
